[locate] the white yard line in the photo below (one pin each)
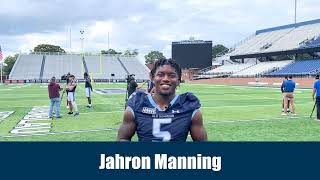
(102, 112)
(59, 133)
(258, 119)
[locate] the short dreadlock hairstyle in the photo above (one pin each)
(169, 62)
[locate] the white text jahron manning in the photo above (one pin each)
(161, 161)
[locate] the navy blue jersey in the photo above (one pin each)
(88, 82)
(155, 124)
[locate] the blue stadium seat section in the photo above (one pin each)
(312, 42)
(299, 67)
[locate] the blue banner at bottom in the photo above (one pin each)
(213, 160)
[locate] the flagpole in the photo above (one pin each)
(1, 71)
(1, 62)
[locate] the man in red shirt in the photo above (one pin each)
(53, 89)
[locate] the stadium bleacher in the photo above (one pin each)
(134, 66)
(271, 46)
(256, 43)
(102, 67)
(300, 67)
(287, 37)
(26, 67)
(262, 68)
(246, 69)
(105, 67)
(58, 65)
(228, 69)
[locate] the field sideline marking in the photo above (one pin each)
(242, 86)
(101, 112)
(255, 105)
(259, 119)
(59, 133)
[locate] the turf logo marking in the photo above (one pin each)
(5, 114)
(31, 123)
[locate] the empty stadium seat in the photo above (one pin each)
(262, 68)
(29, 66)
(26, 67)
(300, 67)
(281, 38)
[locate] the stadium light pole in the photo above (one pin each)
(70, 40)
(108, 41)
(295, 11)
(82, 38)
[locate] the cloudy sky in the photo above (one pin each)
(140, 24)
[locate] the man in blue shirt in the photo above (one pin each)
(282, 91)
(289, 87)
(316, 90)
(163, 115)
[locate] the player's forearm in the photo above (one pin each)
(125, 133)
(123, 139)
(199, 134)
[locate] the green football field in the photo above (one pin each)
(230, 113)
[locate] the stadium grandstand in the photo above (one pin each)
(40, 67)
(276, 51)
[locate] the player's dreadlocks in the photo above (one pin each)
(169, 62)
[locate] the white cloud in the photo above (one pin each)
(31, 40)
(167, 37)
(135, 18)
(167, 51)
(99, 30)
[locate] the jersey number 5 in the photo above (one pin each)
(165, 135)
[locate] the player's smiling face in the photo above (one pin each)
(166, 80)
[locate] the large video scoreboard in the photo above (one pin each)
(193, 53)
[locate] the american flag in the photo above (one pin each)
(1, 57)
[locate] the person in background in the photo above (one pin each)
(88, 88)
(289, 87)
(316, 91)
(132, 86)
(54, 95)
(282, 91)
(72, 95)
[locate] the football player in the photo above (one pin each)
(163, 115)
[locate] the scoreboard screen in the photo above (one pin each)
(192, 54)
